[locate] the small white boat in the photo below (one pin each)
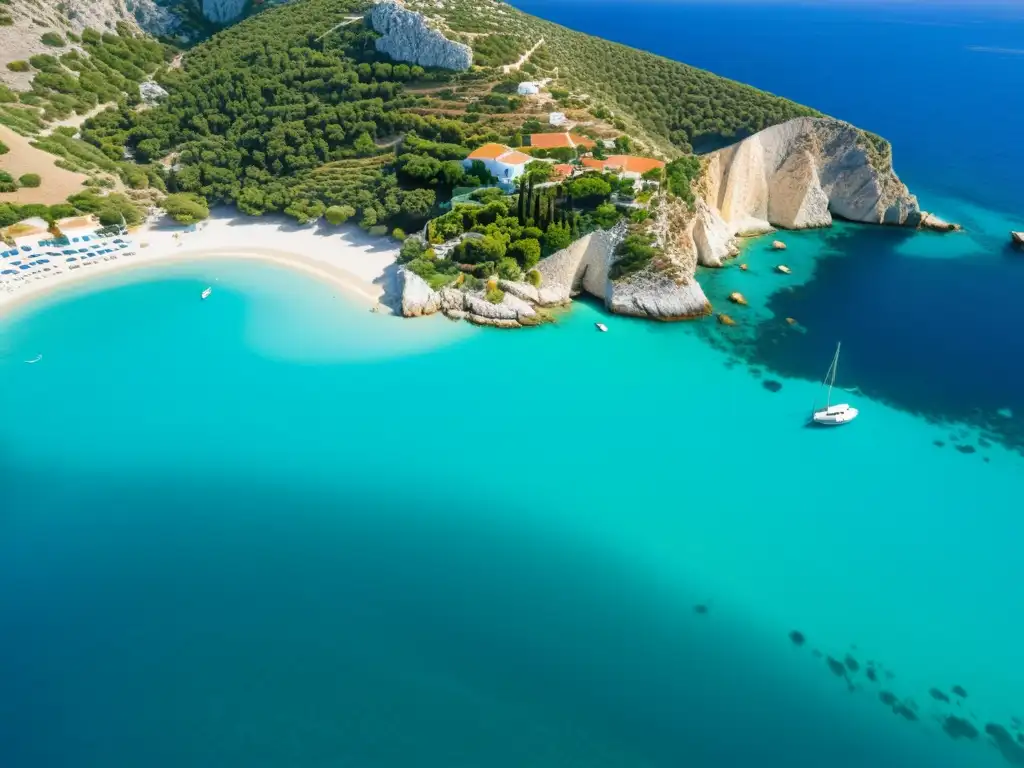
(601, 327)
(207, 292)
(36, 359)
(834, 415)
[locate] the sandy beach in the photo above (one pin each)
(345, 256)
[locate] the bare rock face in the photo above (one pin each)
(800, 173)
(407, 36)
(417, 297)
(795, 197)
(657, 296)
(223, 11)
(713, 240)
(155, 19)
(583, 266)
(151, 93)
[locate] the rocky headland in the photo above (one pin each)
(408, 36)
(797, 175)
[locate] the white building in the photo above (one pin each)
(557, 118)
(503, 162)
(529, 88)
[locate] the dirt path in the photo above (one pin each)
(75, 121)
(24, 158)
(348, 20)
(522, 59)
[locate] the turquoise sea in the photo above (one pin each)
(274, 529)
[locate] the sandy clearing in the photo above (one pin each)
(23, 158)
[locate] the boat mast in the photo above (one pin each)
(832, 381)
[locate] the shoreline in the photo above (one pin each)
(344, 257)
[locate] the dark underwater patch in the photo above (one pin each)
(899, 346)
(797, 637)
(958, 728)
(771, 385)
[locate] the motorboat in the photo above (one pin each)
(601, 327)
(206, 293)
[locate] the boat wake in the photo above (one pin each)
(36, 359)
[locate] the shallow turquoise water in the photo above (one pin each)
(276, 529)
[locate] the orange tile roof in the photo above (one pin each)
(563, 169)
(582, 141)
(634, 164)
(515, 158)
(489, 152)
(549, 140)
(593, 163)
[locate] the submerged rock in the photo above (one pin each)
(959, 691)
(887, 698)
(1017, 238)
(837, 667)
(771, 385)
(737, 298)
(700, 609)
(797, 637)
(851, 663)
(938, 695)
(725, 319)
(958, 728)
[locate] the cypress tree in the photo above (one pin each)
(551, 209)
(529, 198)
(522, 201)
(536, 212)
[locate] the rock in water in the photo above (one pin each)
(407, 36)
(417, 297)
(724, 319)
(1017, 238)
(778, 245)
(737, 298)
(222, 11)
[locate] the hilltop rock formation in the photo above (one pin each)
(801, 173)
(223, 11)
(407, 36)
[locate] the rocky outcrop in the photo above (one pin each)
(223, 11)
(151, 93)
(583, 266)
(800, 174)
(407, 36)
(418, 298)
(1017, 238)
(155, 19)
(658, 296)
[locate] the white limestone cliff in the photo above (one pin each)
(800, 174)
(407, 36)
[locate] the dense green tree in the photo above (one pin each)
(339, 214)
(186, 207)
(30, 180)
(557, 237)
(526, 252)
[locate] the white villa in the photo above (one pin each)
(36, 250)
(504, 162)
(528, 88)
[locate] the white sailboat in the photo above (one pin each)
(207, 292)
(834, 415)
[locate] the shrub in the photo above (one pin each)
(495, 295)
(30, 180)
(186, 207)
(411, 249)
(534, 277)
(339, 214)
(399, 234)
(378, 231)
(52, 39)
(633, 254)
(18, 65)
(557, 237)
(526, 252)
(605, 215)
(4, 149)
(509, 269)
(7, 96)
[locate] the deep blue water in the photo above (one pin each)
(274, 529)
(927, 322)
